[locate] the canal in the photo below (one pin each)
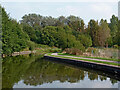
(31, 71)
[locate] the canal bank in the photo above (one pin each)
(93, 65)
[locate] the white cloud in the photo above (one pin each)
(89, 11)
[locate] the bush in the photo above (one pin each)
(85, 40)
(116, 46)
(31, 48)
(73, 51)
(79, 46)
(54, 50)
(91, 50)
(31, 45)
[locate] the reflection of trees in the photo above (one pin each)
(102, 78)
(92, 76)
(113, 81)
(36, 71)
(13, 68)
(44, 72)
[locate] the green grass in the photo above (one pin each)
(49, 54)
(111, 59)
(47, 50)
(102, 62)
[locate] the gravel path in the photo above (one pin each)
(87, 58)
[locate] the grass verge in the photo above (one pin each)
(111, 59)
(101, 62)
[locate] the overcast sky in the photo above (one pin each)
(86, 9)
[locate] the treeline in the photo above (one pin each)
(62, 32)
(97, 34)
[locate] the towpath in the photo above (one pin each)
(87, 58)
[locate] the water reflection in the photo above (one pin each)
(33, 71)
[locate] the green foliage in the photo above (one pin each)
(93, 29)
(114, 28)
(109, 42)
(30, 32)
(59, 37)
(115, 46)
(54, 50)
(47, 36)
(104, 33)
(85, 40)
(62, 32)
(13, 37)
(31, 45)
(73, 51)
(99, 32)
(113, 25)
(92, 50)
(117, 38)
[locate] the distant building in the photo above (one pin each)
(119, 10)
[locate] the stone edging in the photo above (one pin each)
(102, 67)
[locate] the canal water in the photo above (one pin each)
(32, 71)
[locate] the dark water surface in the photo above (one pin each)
(35, 72)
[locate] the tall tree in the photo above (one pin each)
(32, 19)
(85, 40)
(13, 37)
(114, 28)
(117, 38)
(93, 29)
(103, 33)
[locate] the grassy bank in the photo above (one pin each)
(101, 62)
(112, 59)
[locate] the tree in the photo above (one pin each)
(13, 37)
(117, 38)
(30, 32)
(75, 23)
(93, 29)
(32, 19)
(114, 28)
(99, 33)
(103, 33)
(47, 36)
(85, 40)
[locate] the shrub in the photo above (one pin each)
(73, 51)
(91, 50)
(31, 48)
(116, 46)
(54, 50)
(31, 45)
(85, 40)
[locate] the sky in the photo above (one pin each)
(85, 9)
